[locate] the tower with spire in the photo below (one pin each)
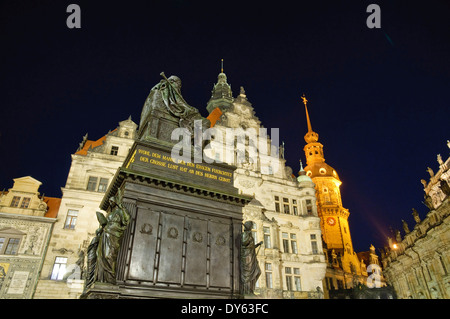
(221, 94)
(334, 216)
(283, 211)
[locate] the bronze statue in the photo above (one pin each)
(110, 239)
(92, 252)
(80, 264)
(167, 95)
(250, 270)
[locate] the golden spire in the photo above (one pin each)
(305, 101)
(310, 136)
(221, 69)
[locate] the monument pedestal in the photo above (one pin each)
(183, 239)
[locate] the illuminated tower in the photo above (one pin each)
(344, 266)
(334, 217)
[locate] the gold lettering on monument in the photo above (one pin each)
(201, 170)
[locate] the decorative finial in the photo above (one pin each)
(304, 99)
(416, 216)
(221, 67)
(315, 138)
(405, 227)
(282, 150)
(439, 159)
(301, 166)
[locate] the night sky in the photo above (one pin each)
(378, 98)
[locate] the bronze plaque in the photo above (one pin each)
(142, 261)
(196, 252)
(220, 259)
(171, 252)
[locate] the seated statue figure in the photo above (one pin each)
(166, 96)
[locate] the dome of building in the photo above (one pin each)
(302, 176)
(321, 169)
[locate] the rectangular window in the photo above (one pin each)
(277, 204)
(25, 202)
(103, 185)
(328, 283)
(294, 207)
(297, 282)
(267, 239)
(277, 207)
(254, 234)
(314, 248)
(92, 183)
(286, 209)
(71, 219)
(12, 247)
(15, 201)
(294, 243)
(309, 207)
(2, 241)
(269, 275)
(285, 242)
(59, 268)
(114, 150)
(288, 272)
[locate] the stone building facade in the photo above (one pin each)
(93, 166)
(283, 211)
(26, 222)
(417, 262)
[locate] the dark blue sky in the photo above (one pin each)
(377, 97)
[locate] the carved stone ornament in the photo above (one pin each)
(146, 229)
(247, 183)
(63, 251)
(172, 233)
(220, 241)
(197, 237)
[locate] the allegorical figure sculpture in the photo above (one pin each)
(250, 270)
(166, 95)
(416, 216)
(405, 227)
(109, 241)
(91, 268)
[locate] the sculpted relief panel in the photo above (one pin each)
(173, 248)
